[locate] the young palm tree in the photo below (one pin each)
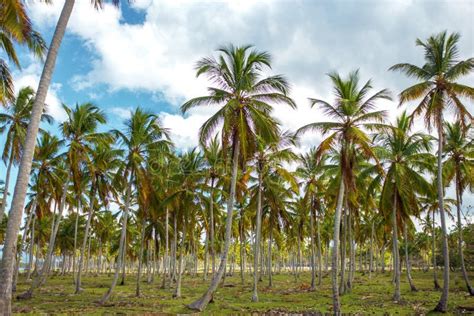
(15, 27)
(14, 123)
(24, 169)
(459, 168)
(352, 111)
(245, 112)
(406, 156)
(439, 90)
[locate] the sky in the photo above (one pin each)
(144, 52)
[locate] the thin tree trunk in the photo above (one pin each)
(211, 216)
(270, 241)
(258, 232)
(75, 240)
(342, 283)
(206, 256)
(371, 265)
(32, 244)
(3, 205)
(24, 169)
(166, 260)
(396, 261)
(407, 259)
(122, 242)
(460, 239)
(202, 302)
(443, 301)
(335, 250)
(140, 257)
(177, 292)
(435, 267)
(320, 261)
(84, 241)
(311, 230)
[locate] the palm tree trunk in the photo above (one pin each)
(166, 260)
(206, 256)
(313, 261)
(460, 239)
(175, 247)
(258, 228)
(201, 303)
(335, 250)
(320, 262)
(242, 241)
(122, 242)
(84, 241)
(140, 257)
(211, 216)
(435, 266)
(75, 240)
(342, 283)
(407, 259)
(16, 211)
(396, 261)
(270, 242)
(23, 239)
(371, 265)
(32, 244)
(3, 205)
(443, 301)
(180, 268)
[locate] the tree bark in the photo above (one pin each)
(443, 301)
(396, 261)
(122, 242)
(335, 250)
(311, 230)
(140, 257)
(270, 242)
(258, 229)
(24, 169)
(407, 259)
(32, 244)
(202, 302)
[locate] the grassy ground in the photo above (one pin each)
(368, 296)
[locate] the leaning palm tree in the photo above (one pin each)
(14, 123)
(245, 112)
(459, 168)
(352, 111)
(15, 27)
(24, 169)
(438, 90)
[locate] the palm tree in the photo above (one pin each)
(141, 134)
(459, 167)
(15, 27)
(439, 90)
(15, 122)
(24, 168)
(353, 112)
(243, 96)
(406, 156)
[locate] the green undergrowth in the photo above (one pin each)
(368, 296)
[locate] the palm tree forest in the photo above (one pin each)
(374, 216)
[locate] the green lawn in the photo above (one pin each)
(368, 296)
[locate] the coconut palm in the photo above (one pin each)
(438, 90)
(352, 111)
(15, 28)
(245, 112)
(15, 123)
(24, 168)
(141, 134)
(459, 168)
(407, 157)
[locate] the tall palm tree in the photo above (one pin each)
(407, 157)
(14, 123)
(352, 111)
(439, 90)
(15, 27)
(245, 112)
(24, 169)
(141, 134)
(459, 168)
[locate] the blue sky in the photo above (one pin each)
(143, 53)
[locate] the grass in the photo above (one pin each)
(369, 296)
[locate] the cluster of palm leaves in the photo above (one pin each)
(126, 200)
